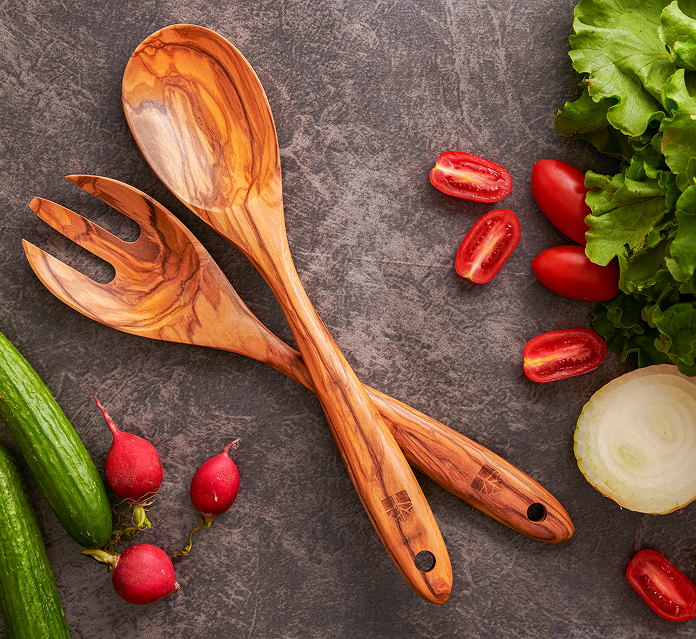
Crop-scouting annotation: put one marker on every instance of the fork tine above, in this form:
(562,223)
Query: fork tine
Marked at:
(153,274)
(124,198)
(80,230)
(107,304)
(72,287)
(160,230)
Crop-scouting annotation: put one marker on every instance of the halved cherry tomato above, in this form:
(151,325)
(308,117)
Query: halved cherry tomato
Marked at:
(488,245)
(559,190)
(662,586)
(470,177)
(559,354)
(566,270)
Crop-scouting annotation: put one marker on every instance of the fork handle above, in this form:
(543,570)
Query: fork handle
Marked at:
(475,474)
(377,467)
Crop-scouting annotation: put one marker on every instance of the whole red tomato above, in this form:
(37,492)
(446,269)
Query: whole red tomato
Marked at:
(470,177)
(662,586)
(566,270)
(488,245)
(559,190)
(559,354)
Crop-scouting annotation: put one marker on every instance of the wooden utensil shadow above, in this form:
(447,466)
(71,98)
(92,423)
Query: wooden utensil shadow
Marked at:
(168,287)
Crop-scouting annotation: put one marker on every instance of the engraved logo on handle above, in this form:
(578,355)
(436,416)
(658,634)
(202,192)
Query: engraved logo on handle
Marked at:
(487,481)
(399,506)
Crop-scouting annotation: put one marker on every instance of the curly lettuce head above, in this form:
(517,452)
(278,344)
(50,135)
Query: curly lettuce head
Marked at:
(638,104)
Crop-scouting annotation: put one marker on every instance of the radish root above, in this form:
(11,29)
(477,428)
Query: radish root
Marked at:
(203,522)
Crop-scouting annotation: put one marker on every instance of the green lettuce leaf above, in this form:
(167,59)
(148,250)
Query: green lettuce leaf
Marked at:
(683,246)
(617,44)
(678,129)
(584,115)
(677,326)
(585,119)
(644,268)
(624,212)
(668,183)
(685,53)
(618,323)
(678,32)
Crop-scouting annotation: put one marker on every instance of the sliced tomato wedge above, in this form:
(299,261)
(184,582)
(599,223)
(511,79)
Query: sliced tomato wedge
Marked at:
(662,586)
(488,245)
(470,177)
(565,353)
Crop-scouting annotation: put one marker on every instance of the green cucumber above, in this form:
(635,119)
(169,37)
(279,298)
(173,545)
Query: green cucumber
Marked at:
(29,598)
(54,452)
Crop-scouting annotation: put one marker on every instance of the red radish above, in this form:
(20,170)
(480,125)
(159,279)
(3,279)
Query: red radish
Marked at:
(143,573)
(214,488)
(215,485)
(133,468)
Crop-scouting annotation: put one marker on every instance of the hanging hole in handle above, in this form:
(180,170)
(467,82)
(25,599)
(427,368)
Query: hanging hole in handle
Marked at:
(536,512)
(425,561)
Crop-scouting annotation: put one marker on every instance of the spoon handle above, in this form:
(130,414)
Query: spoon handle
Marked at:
(380,473)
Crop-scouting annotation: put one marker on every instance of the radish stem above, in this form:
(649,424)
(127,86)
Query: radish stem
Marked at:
(140,517)
(103,556)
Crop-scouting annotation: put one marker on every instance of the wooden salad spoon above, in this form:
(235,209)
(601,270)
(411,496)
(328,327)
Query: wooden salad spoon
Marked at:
(201,119)
(168,287)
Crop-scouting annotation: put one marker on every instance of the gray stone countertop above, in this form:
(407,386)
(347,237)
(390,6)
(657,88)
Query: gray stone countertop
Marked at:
(365,96)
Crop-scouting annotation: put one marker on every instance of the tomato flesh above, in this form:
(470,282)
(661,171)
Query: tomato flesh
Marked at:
(488,245)
(560,354)
(559,190)
(666,589)
(471,177)
(567,271)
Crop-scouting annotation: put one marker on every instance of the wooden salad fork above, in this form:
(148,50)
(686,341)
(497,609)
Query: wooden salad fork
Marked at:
(168,287)
(201,119)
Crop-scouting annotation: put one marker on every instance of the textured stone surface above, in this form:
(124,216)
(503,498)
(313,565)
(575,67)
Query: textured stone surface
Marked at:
(365,96)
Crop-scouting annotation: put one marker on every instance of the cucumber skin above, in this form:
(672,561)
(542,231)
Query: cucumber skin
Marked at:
(31,607)
(53,450)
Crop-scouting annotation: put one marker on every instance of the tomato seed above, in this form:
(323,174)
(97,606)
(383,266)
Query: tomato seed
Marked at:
(458,182)
(664,602)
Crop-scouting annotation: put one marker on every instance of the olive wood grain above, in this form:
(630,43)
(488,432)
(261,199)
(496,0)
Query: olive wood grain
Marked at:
(201,119)
(168,287)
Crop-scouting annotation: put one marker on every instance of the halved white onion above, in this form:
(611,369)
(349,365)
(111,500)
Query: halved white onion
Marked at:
(635,440)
